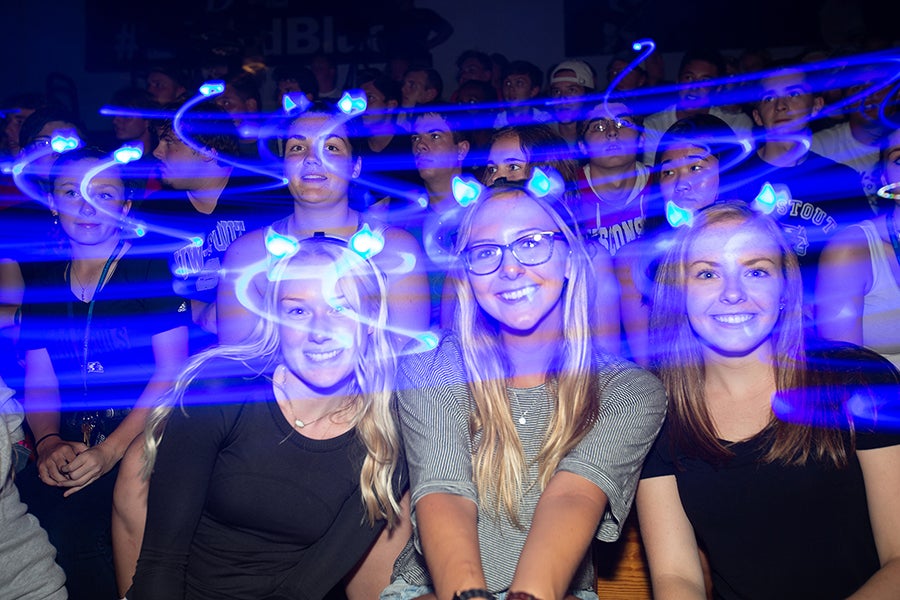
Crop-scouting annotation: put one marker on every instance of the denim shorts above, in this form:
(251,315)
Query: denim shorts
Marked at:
(400,590)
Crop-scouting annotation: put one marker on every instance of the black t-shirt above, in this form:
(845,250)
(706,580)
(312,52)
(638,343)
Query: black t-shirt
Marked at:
(774,531)
(195,243)
(135,304)
(243,506)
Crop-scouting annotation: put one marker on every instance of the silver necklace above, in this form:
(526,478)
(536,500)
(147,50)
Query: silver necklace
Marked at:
(523,418)
(299,423)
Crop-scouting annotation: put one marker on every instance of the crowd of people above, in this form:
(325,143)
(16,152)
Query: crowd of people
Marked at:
(359,340)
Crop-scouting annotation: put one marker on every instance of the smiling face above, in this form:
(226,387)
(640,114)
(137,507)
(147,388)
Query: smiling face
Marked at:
(322,339)
(92,221)
(506,160)
(689,176)
(318,159)
(524,300)
(787,103)
(734,289)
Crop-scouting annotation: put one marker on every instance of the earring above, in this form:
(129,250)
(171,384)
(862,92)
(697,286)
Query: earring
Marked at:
(55,218)
(781,306)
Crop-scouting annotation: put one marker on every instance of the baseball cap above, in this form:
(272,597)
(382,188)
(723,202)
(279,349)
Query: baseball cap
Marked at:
(583,74)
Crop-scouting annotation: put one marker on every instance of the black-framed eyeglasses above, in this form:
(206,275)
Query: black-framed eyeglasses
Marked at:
(530,250)
(603,125)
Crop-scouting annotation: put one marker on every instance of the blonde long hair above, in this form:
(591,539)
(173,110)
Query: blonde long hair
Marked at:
(499,467)
(679,363)
(362,284)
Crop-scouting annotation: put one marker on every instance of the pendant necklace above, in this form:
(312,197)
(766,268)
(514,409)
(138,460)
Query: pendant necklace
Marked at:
(523,418)
(299,423)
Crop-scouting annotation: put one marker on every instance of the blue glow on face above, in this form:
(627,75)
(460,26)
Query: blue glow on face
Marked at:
(352,103)
(129,153)
(677,216)
(280,246)
(64,143)
(466,192)
(367,243)
(212,88)
(539,184)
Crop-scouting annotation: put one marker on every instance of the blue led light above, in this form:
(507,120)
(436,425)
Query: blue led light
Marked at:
(422,201)
(294,101)
(212,88)
(367,243)
(281,246)
(765,200)
(636,46)
(677,216)
(140,231)
(352,103)
(288,104)
(64,143)
(129,153)
(197,242)
(539,184)
(465,192)
(428,339)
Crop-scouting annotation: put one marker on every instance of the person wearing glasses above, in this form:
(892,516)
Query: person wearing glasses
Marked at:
(613,186)
(524,444)
(277,470)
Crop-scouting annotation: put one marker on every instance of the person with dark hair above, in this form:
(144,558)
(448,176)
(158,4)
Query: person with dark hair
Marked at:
(635,79)
(520,84)
(15,110)
(324,69)
(524,443)
(241,99)
(133,126)
(813,197)
(98,353)
(421,86)
(777,458)
(571,81)
(205,198)
(613,186)
(473,65)
(694,154)
(387,163)
(321,160)
(289,78)
(696,95)
(166,85)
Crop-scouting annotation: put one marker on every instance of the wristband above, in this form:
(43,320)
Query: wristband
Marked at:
(473,593)
(49,435)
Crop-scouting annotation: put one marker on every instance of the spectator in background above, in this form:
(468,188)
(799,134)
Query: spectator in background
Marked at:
(570,82)
(166,85)
(134,126)
(16,109)
(241,100)
(289,78)
(521,83)
(613,186)
(636,78)
(696,93)
(818,197)
(857,141)
(325,70)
